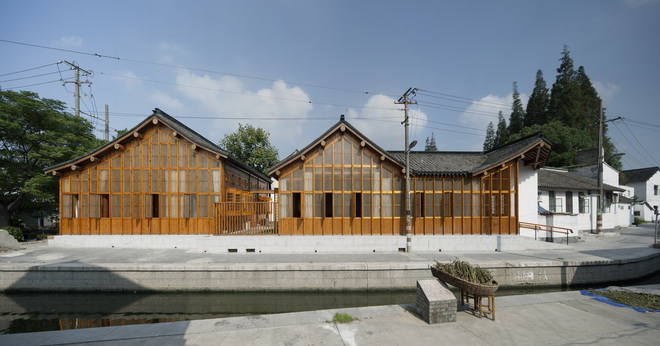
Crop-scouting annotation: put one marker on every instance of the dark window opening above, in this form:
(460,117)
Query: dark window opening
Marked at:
(328,204)
(569,202)
(358,204)
(105,206)
(418,204)
(154,206)
(296,205)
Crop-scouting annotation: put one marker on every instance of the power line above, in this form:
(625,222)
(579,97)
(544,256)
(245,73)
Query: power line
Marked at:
(456,109)
(640,144)
(29,69)
(246,94)
(28,77)
(627,154)
(194,68)
(29,85)
(642,123)
(465,98)
(473,102)
(632,145)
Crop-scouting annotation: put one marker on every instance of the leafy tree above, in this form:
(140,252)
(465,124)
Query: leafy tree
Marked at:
(517,119)
(539,100)
(119,133)
(489,141)
(36,133)
(565,92)
(252,146)
(566,141)
(502,133)
(430,143)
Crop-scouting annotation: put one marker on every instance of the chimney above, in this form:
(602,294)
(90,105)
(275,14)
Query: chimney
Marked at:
(341,117)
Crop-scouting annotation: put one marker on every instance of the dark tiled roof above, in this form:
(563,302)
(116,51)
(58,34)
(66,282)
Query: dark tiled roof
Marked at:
(181,129)
(639,175)
(554,179)
(465,162)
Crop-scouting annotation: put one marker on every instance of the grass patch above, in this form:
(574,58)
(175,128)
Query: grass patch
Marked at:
(638,300)
(343,318)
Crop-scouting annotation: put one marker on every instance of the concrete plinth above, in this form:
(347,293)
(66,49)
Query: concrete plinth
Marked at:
(435,303)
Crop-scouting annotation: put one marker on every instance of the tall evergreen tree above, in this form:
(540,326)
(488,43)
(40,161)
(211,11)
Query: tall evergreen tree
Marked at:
(502,133)
(489,141)
(517,119)
(537,105)
(565,92)
(588,104)
(430,143)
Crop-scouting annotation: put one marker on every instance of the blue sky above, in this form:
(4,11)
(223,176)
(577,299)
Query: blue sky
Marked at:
(470,49)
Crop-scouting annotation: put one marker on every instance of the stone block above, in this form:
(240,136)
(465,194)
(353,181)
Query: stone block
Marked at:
(435,302)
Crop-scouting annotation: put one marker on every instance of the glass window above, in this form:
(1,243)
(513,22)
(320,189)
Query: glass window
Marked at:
(337,153)
(327,156)
(336,205)
(357,156)
(309,205)
(318,159)
(467,208)
(438,204)
(398,205)
(297,180)
(398,183)
(337,178)
(318,205)
(104,180)
(476,205)
(429,184)
(348,186)
(318,179)
(419,184)
(348,153)
(366,205)
(438,184)
(357,179)
(308,179)
(284,204)
(457,184)
(203,206)
(457,205)
(284,183)
(387,205)
(366,178)
(347,205)
(428,204)
(387,180)
(327,178)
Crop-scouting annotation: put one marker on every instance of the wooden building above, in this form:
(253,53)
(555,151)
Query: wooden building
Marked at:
(160,177)
(344,184)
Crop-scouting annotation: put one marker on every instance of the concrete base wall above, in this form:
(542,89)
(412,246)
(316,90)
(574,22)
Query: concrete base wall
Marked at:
(307,244)
(299,276)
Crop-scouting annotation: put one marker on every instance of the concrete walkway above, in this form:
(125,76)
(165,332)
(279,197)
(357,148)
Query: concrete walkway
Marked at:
(564,318)
(39,267)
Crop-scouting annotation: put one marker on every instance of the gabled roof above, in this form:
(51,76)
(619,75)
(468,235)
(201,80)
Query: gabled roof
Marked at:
(639,175)
(463,163)
(562,179)
(173,124)
(336,127)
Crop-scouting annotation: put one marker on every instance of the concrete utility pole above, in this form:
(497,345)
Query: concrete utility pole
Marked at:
(74,66)
(599,212)
(405,101)
(106,129)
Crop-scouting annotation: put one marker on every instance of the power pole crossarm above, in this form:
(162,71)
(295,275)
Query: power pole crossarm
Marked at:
(74,66)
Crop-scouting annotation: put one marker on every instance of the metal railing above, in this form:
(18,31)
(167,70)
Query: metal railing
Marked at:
(546,228)
(246,218)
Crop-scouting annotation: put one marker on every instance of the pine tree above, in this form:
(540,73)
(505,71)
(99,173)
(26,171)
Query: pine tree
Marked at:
(588,105)
(430,143)
(537,105)
(489,141)
(565,92)
(517,118)
(502,133)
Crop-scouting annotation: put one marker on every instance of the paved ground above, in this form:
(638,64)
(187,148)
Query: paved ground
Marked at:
(563,318)
(632,243)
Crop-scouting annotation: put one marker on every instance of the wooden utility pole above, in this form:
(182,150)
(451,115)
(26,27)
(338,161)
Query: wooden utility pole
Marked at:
(405,101)
(106,129)
(74,66)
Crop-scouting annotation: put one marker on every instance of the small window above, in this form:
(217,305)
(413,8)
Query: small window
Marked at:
(569,202)
(328,204)
(357,204)
(155,205)
(655,190)
(105,206)
(296,200)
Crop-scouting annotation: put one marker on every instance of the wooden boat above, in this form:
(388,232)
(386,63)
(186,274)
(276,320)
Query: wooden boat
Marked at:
(466,286)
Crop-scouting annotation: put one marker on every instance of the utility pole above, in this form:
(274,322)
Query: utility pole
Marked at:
(74,66)
(601,159)
(405,101)
(106,129)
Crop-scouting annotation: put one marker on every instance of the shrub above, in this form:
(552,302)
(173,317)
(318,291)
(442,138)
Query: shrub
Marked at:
(15,232)
(465,271)
(343,318)
(42,236)
(639,220)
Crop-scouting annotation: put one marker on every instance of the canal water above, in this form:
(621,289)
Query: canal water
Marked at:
(32,312)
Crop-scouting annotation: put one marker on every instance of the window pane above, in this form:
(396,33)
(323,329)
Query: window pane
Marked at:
(357,156)
(284,203)
(366,178)
(337,155)
(337,177)
(85,206)
(375,201)
(308,179)
(467,199)
(419,184)
(327,156)
(457,184)
(318,159)
(438,184)
(104,180)
(387,180)
(116,206)
(347,205)
(297,180)
(203,206)
(366,204)
(284,183)
(318,179)
(387,205)
(348,186)
(438,204)
(398,205)
(428,204)
(327,178)
(348,153)
(127,206)
(318,205)
(476,205)
(429,185)
(357,178)
(336,201)
(398,183)
(66,206)
(309,205)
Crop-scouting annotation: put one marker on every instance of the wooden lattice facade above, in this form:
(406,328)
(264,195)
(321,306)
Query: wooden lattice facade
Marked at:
(160,178)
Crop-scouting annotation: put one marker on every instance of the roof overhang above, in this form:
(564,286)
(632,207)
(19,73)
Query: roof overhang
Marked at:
(534,155)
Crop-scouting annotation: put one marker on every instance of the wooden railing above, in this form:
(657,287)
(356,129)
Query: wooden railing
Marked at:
(246,218)
(546,228)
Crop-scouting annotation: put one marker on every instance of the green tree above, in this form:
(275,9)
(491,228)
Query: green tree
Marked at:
(489,141)
(566,141)
(539,100)
(502,133)
(517,119)
(36,133)
(252,146)
(119,133)
(430,143)
(565,92)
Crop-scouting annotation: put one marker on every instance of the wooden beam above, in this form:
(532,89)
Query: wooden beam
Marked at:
(137,135)
(55,173)
(538,154)
(302,157)
(323,143)
(277,172)
(117,147)
(382,157)
(155,121)
(342,127)
(174,134)
(74,167)
(93,158)
(217,156)
(363,143)
(193,147)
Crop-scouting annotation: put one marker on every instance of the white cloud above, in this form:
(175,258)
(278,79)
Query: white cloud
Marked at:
(130,79)
(237,101)
(164,101)
(607,90)
(385,127)
(485,110)
(69,41)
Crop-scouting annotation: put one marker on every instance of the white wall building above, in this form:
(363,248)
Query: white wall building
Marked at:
(569,199)
(645,182)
